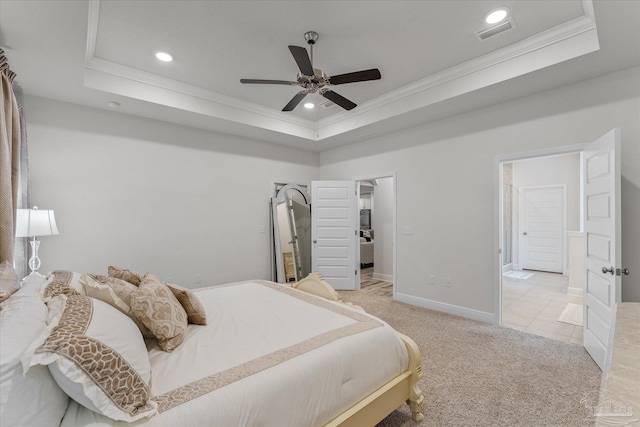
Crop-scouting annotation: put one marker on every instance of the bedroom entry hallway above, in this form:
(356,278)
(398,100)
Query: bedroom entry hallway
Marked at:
(373,286)
(377,234)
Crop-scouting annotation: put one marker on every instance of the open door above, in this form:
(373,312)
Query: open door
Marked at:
(334,232)
(602,290)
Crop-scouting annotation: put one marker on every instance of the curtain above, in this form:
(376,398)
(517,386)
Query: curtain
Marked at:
(9,160)
(21,249)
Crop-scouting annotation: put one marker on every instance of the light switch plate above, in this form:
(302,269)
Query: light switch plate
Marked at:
(406,229)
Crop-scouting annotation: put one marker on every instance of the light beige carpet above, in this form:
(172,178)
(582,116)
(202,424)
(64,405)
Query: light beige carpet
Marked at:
(477,374)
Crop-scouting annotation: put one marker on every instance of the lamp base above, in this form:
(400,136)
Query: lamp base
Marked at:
(31,277)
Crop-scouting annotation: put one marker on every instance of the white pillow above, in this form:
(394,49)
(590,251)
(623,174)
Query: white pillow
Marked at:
(32,398)
(115,292)
(98,357)
(62,282)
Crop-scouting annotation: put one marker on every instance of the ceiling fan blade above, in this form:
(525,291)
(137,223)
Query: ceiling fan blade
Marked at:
(268,82)
(302,59)
(339,99)
(358,76)
(294,101)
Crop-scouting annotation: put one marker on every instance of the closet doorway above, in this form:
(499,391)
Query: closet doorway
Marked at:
(377,205)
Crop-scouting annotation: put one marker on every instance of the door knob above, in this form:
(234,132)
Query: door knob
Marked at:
(525,233)
(625,271)
(315,241)
(606,270)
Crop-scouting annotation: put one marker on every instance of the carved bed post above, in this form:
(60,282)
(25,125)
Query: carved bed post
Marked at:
(416,397)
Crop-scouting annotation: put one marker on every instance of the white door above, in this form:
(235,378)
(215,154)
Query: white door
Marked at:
(601,168)
(542,228)
(334,232)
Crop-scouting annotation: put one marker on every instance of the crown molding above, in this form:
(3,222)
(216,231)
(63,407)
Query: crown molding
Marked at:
(563,42)
(537,42)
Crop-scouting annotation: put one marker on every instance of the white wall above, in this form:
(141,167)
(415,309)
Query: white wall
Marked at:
(540,171)
(154,196)
(176,201)
(383,229)
(446,189)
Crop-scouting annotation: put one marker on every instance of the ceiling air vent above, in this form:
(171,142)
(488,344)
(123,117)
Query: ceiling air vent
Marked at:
(496,29)
(327,104)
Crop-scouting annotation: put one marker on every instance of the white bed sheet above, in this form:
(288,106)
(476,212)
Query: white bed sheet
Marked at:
(269,356)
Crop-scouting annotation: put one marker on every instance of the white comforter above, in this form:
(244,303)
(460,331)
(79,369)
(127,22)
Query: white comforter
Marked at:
(269,356)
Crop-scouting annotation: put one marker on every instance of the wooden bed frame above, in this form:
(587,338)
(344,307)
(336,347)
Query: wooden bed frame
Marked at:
(377,405)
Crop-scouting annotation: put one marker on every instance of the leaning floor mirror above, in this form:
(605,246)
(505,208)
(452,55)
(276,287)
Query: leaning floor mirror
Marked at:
(291,224)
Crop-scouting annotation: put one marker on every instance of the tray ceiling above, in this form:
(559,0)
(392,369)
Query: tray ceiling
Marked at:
(427,52)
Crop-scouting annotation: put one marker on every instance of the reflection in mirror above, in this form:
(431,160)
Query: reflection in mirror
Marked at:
(291,221)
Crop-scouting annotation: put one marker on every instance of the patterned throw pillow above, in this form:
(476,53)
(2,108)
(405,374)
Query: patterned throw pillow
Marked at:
(155,305)
(130,276)
(98,357)
(196,313)
(115,292)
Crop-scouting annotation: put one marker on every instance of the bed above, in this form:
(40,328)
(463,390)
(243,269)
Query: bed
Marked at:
(269,355)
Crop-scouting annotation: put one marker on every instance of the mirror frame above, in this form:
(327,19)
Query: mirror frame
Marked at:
(281,197)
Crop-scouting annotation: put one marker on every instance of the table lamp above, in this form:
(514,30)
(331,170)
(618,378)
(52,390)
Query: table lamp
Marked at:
(34,223)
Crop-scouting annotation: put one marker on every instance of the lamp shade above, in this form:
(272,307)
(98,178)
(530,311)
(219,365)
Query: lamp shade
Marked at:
(35,222)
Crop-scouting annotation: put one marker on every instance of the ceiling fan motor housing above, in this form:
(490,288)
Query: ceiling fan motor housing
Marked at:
(311,37)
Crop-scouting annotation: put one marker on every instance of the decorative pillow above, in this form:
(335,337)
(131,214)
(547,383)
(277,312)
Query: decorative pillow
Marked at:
(130,276)
(62,282)
(98,357)
(26,398)
(154,305)
(196,313)
(115,292)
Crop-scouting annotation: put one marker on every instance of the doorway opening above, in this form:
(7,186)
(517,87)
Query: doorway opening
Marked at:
(377,206)
(541,240)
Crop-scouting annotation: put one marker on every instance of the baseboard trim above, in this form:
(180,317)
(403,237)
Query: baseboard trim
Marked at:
(383,277)
(507,268)
(574,291)
(468,313)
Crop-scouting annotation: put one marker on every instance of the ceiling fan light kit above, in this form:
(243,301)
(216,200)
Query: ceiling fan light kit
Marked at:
(314,80)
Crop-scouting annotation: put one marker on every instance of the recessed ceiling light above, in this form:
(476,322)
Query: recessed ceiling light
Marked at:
(164,56)
(113,104)
(496,16)
(309,105)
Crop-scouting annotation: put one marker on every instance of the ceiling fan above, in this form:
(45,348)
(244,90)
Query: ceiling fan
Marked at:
(313,80)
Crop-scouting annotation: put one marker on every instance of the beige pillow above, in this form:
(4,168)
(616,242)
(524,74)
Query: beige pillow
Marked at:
(115,292)
(196,313)
(130,276)
(98,357)
(154,304)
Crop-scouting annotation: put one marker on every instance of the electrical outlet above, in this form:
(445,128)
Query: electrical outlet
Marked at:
(198,278)
(261,229)
(447,282)
(432,279)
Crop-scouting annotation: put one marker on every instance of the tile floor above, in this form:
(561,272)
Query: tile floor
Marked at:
(534,305)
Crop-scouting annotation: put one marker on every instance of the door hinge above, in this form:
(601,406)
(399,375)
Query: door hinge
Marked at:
(355,272)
